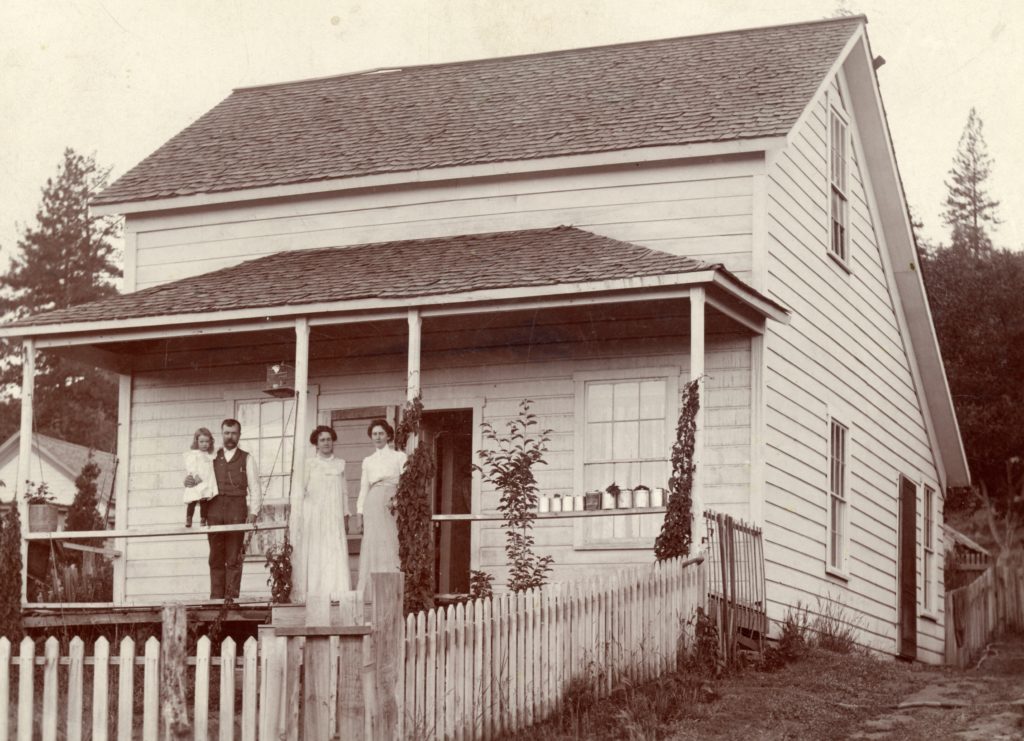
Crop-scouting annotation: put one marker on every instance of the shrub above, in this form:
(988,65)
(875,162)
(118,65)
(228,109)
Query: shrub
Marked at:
(480,584)
(10,575)
(508,466)
(707,651)
(835,629)
(412,508)
(793,638)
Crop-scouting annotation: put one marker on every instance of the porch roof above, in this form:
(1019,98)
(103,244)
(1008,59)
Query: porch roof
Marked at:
(474,267)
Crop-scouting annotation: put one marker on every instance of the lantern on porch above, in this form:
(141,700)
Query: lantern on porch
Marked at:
(280,380)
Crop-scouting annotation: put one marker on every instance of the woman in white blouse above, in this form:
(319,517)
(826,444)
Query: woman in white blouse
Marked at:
(381,470)
(321,554)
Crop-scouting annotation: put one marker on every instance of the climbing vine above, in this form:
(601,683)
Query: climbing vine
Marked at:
(412,509)
(10,574)
(279,562)
(674,539)
(508,464)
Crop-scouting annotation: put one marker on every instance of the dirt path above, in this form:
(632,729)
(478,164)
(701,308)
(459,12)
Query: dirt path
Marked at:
(981,704)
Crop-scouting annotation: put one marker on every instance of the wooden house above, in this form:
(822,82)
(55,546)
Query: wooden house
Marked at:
(588,229)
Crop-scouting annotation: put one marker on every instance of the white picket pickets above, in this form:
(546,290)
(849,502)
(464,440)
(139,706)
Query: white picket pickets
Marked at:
(502,663)
(77,691)
(469,671)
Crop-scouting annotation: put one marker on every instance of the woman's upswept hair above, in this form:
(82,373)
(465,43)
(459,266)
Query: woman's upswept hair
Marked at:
(383,423)
(315,434)
(202,431)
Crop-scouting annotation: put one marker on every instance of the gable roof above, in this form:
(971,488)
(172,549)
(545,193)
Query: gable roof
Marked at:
(404,269)
(716,87)
(69,458)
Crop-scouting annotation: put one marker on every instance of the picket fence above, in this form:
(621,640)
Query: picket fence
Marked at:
(503,663)
(468,671)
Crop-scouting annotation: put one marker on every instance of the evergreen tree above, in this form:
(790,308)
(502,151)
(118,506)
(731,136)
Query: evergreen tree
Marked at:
(969,208)
(10,575)
(66,258)
(83,513)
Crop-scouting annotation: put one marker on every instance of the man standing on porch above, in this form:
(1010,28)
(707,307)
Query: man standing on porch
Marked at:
(238,484)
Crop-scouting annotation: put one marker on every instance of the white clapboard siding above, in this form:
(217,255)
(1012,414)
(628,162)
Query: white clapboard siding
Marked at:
(167,407)
(702,210)
(842,354)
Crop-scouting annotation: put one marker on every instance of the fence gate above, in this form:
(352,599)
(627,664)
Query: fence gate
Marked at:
(736,587)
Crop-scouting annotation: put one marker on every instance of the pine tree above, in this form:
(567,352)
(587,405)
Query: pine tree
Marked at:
(83,513)
(66,258)
(10,575)
(969,208)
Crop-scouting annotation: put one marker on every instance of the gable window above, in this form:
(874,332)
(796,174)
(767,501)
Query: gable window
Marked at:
(624,436)
(839,206)
(928,540)
(837,500)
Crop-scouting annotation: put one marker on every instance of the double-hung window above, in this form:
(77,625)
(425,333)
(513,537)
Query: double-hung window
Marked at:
(839,206)
(837,497)
(928,539)
(267,429)
(624,436)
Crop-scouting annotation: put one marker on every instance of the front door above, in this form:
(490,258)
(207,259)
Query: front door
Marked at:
(450,435)
(908,569)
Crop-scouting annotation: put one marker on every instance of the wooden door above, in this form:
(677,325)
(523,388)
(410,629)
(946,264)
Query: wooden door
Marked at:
(908,569)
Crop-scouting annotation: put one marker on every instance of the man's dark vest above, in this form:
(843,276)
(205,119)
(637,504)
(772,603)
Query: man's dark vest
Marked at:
(232,480)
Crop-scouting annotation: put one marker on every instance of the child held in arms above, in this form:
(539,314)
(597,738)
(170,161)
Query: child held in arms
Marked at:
(199,465)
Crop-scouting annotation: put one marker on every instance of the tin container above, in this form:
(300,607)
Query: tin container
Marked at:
(641,497)
(658,497)
(556,503)
(625,499)
(579,502)
(607,500)
(592,500)
(543,504)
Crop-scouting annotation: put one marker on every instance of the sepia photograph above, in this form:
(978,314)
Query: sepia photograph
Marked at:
(453,369)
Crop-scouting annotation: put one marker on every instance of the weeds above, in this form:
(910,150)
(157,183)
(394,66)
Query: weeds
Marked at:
(835,629)
(796,626)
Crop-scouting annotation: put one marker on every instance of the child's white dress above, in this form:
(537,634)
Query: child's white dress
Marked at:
(200,465)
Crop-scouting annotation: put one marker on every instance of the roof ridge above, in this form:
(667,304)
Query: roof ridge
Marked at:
(551,52)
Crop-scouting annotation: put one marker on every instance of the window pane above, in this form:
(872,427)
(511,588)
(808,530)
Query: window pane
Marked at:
(598,476)
(289,416)
(249,415)
(274,488)
(270,419)
(652,400)
(652,439)
(627,400)
(627,475)
(269,457)
(626,440)
(599,402)
(599,442)
(654,474)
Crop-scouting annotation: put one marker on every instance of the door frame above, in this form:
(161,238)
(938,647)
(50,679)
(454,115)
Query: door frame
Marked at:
(901,553)
(476,404)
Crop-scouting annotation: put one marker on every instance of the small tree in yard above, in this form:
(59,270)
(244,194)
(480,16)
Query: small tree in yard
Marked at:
(10,574)
(675,536)
(508,465)
(83,514)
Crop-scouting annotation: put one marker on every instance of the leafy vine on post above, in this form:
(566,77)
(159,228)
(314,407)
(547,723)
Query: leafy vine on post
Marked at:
(508,464)
(674,539)
(412,509)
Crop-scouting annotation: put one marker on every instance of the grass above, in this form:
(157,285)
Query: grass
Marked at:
(824,695)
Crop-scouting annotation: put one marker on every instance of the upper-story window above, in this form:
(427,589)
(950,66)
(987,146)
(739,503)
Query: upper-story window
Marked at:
(839,168)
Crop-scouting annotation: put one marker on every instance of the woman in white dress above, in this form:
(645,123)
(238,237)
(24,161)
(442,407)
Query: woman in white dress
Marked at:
(321,553)
(381,470)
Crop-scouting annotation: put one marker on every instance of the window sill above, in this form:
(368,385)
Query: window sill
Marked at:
(931,616)
(837,573)
(840,262)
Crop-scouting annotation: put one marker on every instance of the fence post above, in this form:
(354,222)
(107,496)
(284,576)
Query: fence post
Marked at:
(388,649)
(317,671)
(173,662)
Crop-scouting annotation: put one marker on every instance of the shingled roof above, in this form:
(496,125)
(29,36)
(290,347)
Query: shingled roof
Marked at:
(716,87)
(406,269)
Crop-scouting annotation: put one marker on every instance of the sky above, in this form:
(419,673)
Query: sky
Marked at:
(117,78)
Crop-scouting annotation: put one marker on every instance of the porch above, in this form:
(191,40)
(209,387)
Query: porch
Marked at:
(471,355)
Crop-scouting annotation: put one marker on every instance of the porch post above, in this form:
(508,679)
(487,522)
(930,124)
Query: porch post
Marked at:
(697,303)
(28,385)
(301,414)
(415,332)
